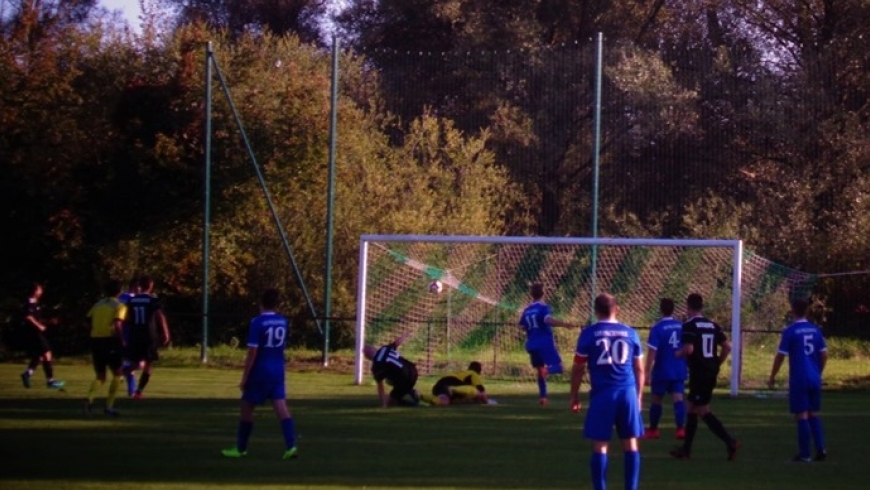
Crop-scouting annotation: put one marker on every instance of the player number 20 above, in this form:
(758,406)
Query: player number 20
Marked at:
(612,352)
(275,336)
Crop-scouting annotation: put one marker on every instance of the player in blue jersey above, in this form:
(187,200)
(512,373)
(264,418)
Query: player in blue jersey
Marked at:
(133,289)
(263,376)
(666,372)
(705,348)
(537,322)
(807,353)
(613,354)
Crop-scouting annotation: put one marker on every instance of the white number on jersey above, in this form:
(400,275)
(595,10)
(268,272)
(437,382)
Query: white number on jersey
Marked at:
(613,352)
(531,321)
(809,347)
(275,336)
(708,344)
(674,340)
(139,313)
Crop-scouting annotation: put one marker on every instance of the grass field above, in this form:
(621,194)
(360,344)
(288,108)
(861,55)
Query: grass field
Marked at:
(172,439)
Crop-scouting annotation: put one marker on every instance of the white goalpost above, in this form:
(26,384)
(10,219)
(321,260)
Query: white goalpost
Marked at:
(472,314)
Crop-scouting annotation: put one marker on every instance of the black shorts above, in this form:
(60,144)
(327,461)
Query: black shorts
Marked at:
(36,344)
(701,388)
(404,385)
(442,387)
(138,351)
(106,353)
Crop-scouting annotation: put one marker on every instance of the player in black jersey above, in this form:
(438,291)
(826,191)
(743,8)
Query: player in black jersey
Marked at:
(146,330)
(390,367)
(705,348)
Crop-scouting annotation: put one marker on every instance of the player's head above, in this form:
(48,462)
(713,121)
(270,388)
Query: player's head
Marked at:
(605,306)
(113,288)
(270,299)
(369,352)
(133,285)
(695,302)
(35,290)
(800,307)
(536,290)
(666,306)
(146,283)
(475,366)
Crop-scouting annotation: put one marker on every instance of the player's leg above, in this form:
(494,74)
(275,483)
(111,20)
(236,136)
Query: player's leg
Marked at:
(115,363)
(462,394)
(34,352)
(631,463)
(677,389)
(150,357)
(288,427)
(598,427)
(815,405)
(629,426)
(697,396)
(47,366)
(716,427)
(598,465)
(99,363)
(251,397)
(537,360)
(657,392)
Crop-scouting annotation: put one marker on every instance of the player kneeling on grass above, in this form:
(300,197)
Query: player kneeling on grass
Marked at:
(461,387)
(389,367)
(263,376)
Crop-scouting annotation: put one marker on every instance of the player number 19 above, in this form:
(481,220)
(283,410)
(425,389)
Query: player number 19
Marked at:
(275,336)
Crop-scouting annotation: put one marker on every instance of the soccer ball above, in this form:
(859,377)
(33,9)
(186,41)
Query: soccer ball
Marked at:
(436,287)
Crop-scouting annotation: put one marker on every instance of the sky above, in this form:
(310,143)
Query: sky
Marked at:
(129,8)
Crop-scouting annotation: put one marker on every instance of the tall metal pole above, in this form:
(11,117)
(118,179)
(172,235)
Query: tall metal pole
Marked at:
(206,215)
(596,144)
(330,211)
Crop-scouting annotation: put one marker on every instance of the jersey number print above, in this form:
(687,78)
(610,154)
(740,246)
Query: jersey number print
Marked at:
(617,350)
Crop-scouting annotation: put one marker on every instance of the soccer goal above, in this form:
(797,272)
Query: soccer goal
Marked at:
(460,297)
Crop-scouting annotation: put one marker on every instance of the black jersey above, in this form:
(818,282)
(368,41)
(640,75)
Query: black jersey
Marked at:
(388,365)
(140,318)
(706,338)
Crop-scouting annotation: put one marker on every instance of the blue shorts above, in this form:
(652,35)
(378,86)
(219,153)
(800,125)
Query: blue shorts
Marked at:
(546,355)
(258,390)
(805,400)
(667,386)
(613,407)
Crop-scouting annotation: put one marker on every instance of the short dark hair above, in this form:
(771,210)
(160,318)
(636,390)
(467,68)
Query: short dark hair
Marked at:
(605,304)
(146,282)
(536,289)
(475,366)
(695,302)
(113,287)
(800,306)
(270,299)
(666,306)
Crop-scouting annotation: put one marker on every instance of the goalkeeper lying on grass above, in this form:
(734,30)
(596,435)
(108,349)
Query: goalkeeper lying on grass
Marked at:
(459,387)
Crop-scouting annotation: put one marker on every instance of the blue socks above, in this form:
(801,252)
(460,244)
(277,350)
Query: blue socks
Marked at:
(542,386)
(655,415)
(288,428)
(632,469)
(598,466)
(818,434)
(680,413)
(803,433)
(243,435)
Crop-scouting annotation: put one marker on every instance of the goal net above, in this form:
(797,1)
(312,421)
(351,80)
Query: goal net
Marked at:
(459,297)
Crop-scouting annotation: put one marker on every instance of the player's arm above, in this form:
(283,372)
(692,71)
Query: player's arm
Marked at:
(578,371)
(401,339)
(723,354)
(30,318)
(555,322)
(161,319)
(382,394)
(118,323)
(650,360)
(823,360)
(249,364)
(777,364)
(639,379)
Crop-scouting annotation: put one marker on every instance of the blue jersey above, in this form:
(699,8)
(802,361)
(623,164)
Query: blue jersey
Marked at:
(664,339)
(803,343)
(533,321)
(610,349)
(268,333)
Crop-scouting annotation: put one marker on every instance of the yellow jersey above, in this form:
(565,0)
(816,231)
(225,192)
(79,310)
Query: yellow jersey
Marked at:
(103,315)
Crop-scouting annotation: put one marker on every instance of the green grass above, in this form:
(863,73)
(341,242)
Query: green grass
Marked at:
(172,439)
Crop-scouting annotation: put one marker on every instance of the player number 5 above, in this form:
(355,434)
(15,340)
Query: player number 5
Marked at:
(808,345)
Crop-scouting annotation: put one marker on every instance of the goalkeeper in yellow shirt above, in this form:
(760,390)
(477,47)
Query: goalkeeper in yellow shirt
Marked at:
(107,317)
(459,387)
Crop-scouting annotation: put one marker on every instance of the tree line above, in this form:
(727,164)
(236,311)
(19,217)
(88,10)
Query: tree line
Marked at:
(725,118)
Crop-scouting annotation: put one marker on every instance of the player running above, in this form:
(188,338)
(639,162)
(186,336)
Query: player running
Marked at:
(263,376)
(705,348)
(537,322)
(807,353)
(35,341)
(107,319)
(667,373)
(613,352)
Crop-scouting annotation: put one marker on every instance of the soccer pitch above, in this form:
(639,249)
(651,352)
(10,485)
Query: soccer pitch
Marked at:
(172,439)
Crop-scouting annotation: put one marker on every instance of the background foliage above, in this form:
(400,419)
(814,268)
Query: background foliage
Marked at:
(723,118)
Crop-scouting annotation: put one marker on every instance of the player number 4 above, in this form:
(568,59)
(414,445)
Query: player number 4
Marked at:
(674,340)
